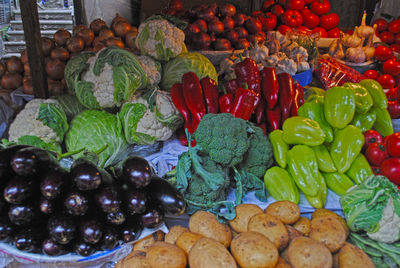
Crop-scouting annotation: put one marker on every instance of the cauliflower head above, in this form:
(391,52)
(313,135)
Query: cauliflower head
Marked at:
(152,69)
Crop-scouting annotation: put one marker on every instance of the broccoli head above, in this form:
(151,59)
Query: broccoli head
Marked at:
(223,137)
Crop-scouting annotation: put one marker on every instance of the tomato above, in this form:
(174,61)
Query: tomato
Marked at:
(394,109)
(294,4)
(305,12)
(383,53)
(391,66)
(310,20)
(268,22)
(395,47)
(283,29)
(320,7)
(382,24)
(393,144)
(303,30)
(376,170)
(394,26)
(391,94)
(373,74)
(267,4)
(391,169)
(334,33)
(329,21)
(376,153)
(371,136)
(322,32)
(292,18)
(308,1)
(387,37)
(386,81)
(281,2)
(277,10)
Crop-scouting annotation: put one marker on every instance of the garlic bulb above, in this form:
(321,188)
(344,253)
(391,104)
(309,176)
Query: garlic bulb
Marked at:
(352,40)
(369,49)
(356,54)
(336,48)
(365,30)
(258,52)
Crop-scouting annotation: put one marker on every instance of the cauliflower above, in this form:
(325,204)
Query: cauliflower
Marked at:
(160,39)
(152,69)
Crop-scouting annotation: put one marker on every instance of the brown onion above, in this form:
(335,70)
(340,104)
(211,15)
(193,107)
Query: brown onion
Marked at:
(87,35)
(106,33)
(2,69)
(98,47)
(121,28)
(24,56)
(98,40)
(60,53)
(61,37)
(115,41)
(47,45)
(11,81)
(56,88)
(14,65)
(75,44)
(55,69)
(116,19)
(28,88)
(89,49)
(96,25)
(130,38)
(78,28)
(27,69)
(46,60)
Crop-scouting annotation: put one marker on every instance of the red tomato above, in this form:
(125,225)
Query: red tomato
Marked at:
(375,169)
(393,144)
(387,37)
(376,153)
(391,94)
(303,30)
(281,2)
(305,12)
(391,66)
(292,18)
(397,38)
(277,10)
(267,4)
(308,1)
(329,21)
(394,109)
(371,136)
(294,4)
(320,7)
(383,53)
(391,169)
(395,47)
(382,24)
(322,32)
(394,26)
(334,33)
(310,20)
(269,22)
(283,29)
(373,74)
(386,81)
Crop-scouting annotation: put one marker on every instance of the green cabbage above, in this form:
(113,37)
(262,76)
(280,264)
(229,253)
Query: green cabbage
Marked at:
(93,130)
(187,62)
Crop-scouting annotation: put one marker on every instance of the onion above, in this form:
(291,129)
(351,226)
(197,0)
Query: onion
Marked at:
(130,38)
(115,41)
(96,25)
(56,88)
(106,33)
(24,56)
(11,81)
(47,45)
(98,47)
(78,28)
(14,65)
(201,41)
(55,69)
(89,49)
(222,44)
(75,44)
(61,37)
(87,35)
(116,19)
(241,44)
(216,26)
(46,60)
(121,28)
(28,88)
(227,10)
(60,53)
(3,69)
(27,69)
(98,40)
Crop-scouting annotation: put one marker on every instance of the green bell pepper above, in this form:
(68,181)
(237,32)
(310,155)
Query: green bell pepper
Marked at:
(319,200)
(324,159)
(364,121)
(339,106)
(362,97)
(303,167)
(302,130)
(383,123)
(376,92)
(346,146)
(280,185)
(314,94)
(338,182)
(360,169)
(279,147)
(315,111)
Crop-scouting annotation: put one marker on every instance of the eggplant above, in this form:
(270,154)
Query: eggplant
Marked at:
(3,207)
(52,248)
(6,229)
(131,229)
(116,218)
(110,239)
(136,171)
(28,240)
(5,158)
(87,176)
(31,161)
(21,214)
(165,196)
(17,191)
(47,206)
(53,183)
(76,203)
(108,199)
(90,231)
(84,249)
(61,229)
(152,218)
(135,200)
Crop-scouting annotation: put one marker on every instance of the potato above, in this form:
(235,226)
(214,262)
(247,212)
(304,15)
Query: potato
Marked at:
(165,255)
(250,249)
(208,253)
(286,211)
(305,252)
(351,256)
(243,214)
(282,264)
(293,233)
(323,211)
(186,241)
(328,230)
(303,225)
(271,227)
(206,224)
(146,242)
(174,233)
(136,259)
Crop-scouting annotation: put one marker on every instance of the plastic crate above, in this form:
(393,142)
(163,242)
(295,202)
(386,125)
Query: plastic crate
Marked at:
(5,12)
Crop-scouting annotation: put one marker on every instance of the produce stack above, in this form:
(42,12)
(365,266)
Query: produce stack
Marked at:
(389,32)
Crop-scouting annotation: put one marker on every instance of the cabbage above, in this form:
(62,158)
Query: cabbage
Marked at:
(187,62)
(93,130)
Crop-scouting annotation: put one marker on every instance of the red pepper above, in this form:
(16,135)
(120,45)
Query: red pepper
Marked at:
(270,86)
(273,118)
(260,111)
(263,126)
(286,94)
(247,73)
(231,86)
(298,99)
(179,101)
(243,105)
(183,139)
(193,94)
(210,94)
(225,103)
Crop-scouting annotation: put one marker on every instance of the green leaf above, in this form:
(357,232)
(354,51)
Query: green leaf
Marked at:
(84,93)
(142,38)
(37,142)
(129,116)
(183,172)
(121,84)
(71,105)
(75,67)
(53,116)
(171,122)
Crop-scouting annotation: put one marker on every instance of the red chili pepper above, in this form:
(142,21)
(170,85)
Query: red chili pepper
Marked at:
(244,106)
(210,94)
(286,94)
(270,86)
(193,94)
(298,98)
(231,86)
(273,118)
(260,111)
(263,126)
(247,73)
(179,101)
(183,139)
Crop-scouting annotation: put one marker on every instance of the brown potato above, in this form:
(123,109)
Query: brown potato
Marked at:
(206,224)
(323,211)
(243,214)
(286,211)
(271,227)
(145,243)
(165,255)
(174,233)
(250,249)
(328,230)
(207,253)
(136,259)
(186,241)
(351,256)
(305,252)
(303,225)
(293,233)
(282,264)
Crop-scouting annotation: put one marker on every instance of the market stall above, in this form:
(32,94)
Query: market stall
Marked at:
(210,135)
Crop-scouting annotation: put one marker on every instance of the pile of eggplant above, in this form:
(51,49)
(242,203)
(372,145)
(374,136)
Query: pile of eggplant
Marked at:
(44,208)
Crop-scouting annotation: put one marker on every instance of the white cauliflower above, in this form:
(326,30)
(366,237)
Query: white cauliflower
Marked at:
(152,69)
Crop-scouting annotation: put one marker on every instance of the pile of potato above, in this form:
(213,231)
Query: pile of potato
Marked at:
(274,238)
